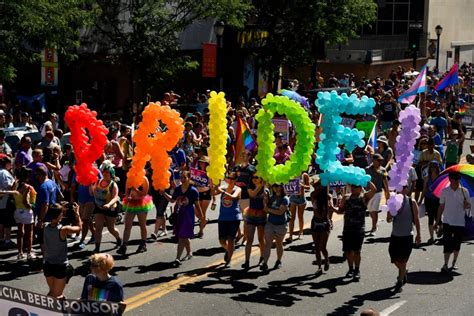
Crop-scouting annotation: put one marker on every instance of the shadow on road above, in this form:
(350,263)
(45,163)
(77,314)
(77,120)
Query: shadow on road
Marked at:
(431,277)
(350,307)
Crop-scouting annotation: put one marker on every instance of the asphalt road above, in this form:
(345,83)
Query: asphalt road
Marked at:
(203,286)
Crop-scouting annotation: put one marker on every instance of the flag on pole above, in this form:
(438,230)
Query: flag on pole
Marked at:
(244,140)
(372,141)
(450,79)
(418,86)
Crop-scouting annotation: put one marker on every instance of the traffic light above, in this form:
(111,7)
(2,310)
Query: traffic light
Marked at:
(414,39)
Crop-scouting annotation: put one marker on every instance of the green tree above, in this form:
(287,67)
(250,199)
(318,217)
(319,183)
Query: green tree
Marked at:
(144,33)
(27,26)
(296,28)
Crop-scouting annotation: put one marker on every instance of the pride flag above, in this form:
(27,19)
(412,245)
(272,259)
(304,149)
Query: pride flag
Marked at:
(450,79)
(418,86)
(244,140)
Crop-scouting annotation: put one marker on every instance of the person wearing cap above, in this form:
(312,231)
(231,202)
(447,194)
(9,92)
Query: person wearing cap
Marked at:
(454,202)
(431,200)
(452,149)
(354,206)
(379,179)
(388,112)
(430,154)
(385,151)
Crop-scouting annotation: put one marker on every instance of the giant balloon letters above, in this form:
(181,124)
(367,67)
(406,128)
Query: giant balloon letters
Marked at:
(331,106)
(88,147)
(152,144)
(304,128)
(410,131)
(217,136)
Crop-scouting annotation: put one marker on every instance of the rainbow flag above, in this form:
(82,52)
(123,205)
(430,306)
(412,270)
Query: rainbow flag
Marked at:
(244,140)
(418,86)
(450,79)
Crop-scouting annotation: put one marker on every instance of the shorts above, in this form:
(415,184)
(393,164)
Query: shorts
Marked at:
(452,237)
(205,196)
(108,213)
(7,218)
(431,206)
(352,241)
(228,229)
(400,247)
(298,199)
(276,230)
(24,216)
(255,217)
(319,225)
(58,271)
(161,203)
(374,203)
(86,210)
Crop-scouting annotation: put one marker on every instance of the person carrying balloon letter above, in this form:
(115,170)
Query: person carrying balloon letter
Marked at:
(401,239)
(353,207)
(379,178)
(454,202)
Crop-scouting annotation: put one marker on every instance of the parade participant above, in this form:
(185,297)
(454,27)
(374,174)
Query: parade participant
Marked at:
(431,201)
(23,157)
(379,178)
(161,203)
(138,203)
(353,207)
(401,239)
(430,154)
(7,219)
(393,133)
(385,151)
(244,172)
(55,249)
(255,219)
(321,222)
(453,203)
(277,224)
(229,215)
(105,193)
(113,152)
(100,285)
(298,203)
(186,197)
(205,195)
(452,149)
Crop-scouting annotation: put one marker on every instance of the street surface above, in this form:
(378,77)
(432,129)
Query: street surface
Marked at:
(202,286)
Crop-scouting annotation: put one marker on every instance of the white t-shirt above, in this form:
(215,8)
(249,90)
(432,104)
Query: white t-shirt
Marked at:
(454,205)
(412,176)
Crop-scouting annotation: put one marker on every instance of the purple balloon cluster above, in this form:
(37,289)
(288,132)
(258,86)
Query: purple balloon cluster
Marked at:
(410,131)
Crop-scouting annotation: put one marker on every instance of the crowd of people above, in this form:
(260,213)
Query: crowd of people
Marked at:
(40,197)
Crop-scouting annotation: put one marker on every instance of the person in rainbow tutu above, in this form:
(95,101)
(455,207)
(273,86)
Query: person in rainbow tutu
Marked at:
(138,203)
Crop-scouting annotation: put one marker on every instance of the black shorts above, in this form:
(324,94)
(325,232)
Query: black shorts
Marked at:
(161,203)
(7,218)
(108,213)
(59,271)
(352,241)
(228,229)
(400,247)
(431,206)
(205,196)
(319,225)
(452,237)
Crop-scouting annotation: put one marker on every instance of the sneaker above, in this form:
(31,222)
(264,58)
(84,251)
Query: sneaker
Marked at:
(154,236)
(350,273)
(21,257)
(187,257)
(445,269)
(356,275)
(319,271)
(177,263)
(289,240)
(454,267)
(97,249)
(246,265)
(141,248)
(398,286)
(430,241)
(226,257)
(163,234)
(82,245)
(371,234)
(264,267)
(31,256)
(260,261)
(326,265)
(118,242)
(277,265)
(122,250)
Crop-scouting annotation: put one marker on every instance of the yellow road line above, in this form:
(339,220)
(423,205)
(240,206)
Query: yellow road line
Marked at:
(168,287)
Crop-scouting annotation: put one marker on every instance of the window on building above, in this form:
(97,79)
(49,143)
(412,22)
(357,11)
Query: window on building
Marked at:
(384,28)
(400,11)
(400,28)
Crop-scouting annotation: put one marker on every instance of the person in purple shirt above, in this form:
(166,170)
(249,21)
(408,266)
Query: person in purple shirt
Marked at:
(23,158)
(35,164)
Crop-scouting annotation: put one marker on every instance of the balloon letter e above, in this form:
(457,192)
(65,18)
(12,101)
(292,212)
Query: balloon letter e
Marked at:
(330,105)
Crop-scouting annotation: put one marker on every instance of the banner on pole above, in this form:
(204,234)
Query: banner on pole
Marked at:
(49,67)
(209,60)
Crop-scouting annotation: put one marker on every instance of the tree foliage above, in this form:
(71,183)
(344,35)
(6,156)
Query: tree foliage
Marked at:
(295,26)
(27,26)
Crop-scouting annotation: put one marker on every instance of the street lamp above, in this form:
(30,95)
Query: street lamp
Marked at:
(439,30)
(219,31)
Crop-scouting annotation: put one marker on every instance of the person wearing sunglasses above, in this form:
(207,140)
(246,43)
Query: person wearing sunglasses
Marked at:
(100,285)
(229,215)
